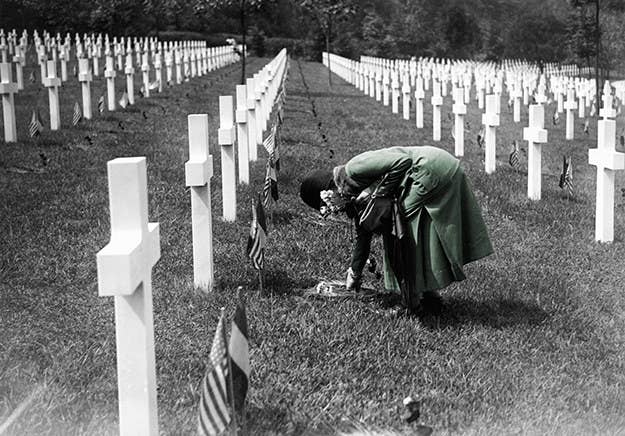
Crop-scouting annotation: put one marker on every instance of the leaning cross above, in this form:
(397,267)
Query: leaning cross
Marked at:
(124,271)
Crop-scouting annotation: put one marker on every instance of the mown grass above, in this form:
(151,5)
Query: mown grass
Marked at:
(530,343)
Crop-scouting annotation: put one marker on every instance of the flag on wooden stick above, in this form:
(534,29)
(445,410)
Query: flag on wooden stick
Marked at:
(270,142)
(566,178)
(77,116)
(258,235)
(480,137)
(238,349)
(153,85)
(101,104)
(514,155)
(214,416)
(271,183)
(35,127)
(586,125)
(32,77)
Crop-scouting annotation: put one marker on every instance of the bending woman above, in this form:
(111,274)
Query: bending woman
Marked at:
(419,200)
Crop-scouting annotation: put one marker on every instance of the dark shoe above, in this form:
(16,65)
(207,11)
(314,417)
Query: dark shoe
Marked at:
(431,303)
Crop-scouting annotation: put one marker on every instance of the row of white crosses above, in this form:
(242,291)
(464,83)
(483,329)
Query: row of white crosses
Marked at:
(125,263)
(521,82)
(193,56)
(254,103)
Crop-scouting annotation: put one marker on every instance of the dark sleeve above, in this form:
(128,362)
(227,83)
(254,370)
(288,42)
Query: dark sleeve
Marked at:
(360,249)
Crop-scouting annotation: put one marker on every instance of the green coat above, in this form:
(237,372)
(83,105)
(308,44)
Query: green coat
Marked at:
(444,222)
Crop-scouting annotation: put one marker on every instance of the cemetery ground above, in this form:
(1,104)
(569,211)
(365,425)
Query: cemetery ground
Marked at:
(530,343)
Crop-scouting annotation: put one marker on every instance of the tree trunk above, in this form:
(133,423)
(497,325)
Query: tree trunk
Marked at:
(328,33)
(243,35)
(597,47)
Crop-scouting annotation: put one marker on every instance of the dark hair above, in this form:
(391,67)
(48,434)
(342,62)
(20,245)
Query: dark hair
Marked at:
(312,186)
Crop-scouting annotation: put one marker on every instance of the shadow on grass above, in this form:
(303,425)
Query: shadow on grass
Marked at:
(496,314)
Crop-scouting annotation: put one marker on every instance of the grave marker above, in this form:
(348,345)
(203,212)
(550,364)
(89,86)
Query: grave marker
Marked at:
(405,90)
(226,141)
(52,82)
(570,106)
(437,102)
(251,119)
(124,271)
(130,81)
(110,74)
(242,132)
(535,135)
(198,173)
(459,109)
(490,120)
(84,77)
(8,89)
(419,95)
(145,68)
(608,161)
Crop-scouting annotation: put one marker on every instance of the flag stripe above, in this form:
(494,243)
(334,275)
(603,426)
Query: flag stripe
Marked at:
(239,351)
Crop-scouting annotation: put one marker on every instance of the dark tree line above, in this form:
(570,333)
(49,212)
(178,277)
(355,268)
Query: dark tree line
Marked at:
(536,30)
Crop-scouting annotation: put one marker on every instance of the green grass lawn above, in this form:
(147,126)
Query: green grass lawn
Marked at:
(530,343)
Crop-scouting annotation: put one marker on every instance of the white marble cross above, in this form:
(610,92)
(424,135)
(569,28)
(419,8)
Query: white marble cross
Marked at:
(419,95)
(405,90)
(242,135)
(145,68)
(535,135)
(258,108)
(607,160)
(252,148)
(84,76)
(490,120)
(110,74)
(125,272)
(378,85)
(437,102)
(394,92)
(570,106)
(158,67)
(52,82)
(459,109)
(198,172)
(7,90)
(226,137)
(517,94)
(19,60)
(129,70)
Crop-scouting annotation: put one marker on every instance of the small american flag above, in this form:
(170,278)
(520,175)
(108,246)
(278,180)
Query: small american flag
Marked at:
(123,102)
(32,77)
(77,116)
(258,235)
(153,85)
(35,127)
(566,178)
(142,91)
(514,155)
(270,141)
(271,183)
(213,415)
(556,117)
(101,104)
(586,125)
(480,137)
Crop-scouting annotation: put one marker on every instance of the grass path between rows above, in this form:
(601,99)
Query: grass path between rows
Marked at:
(530,343)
